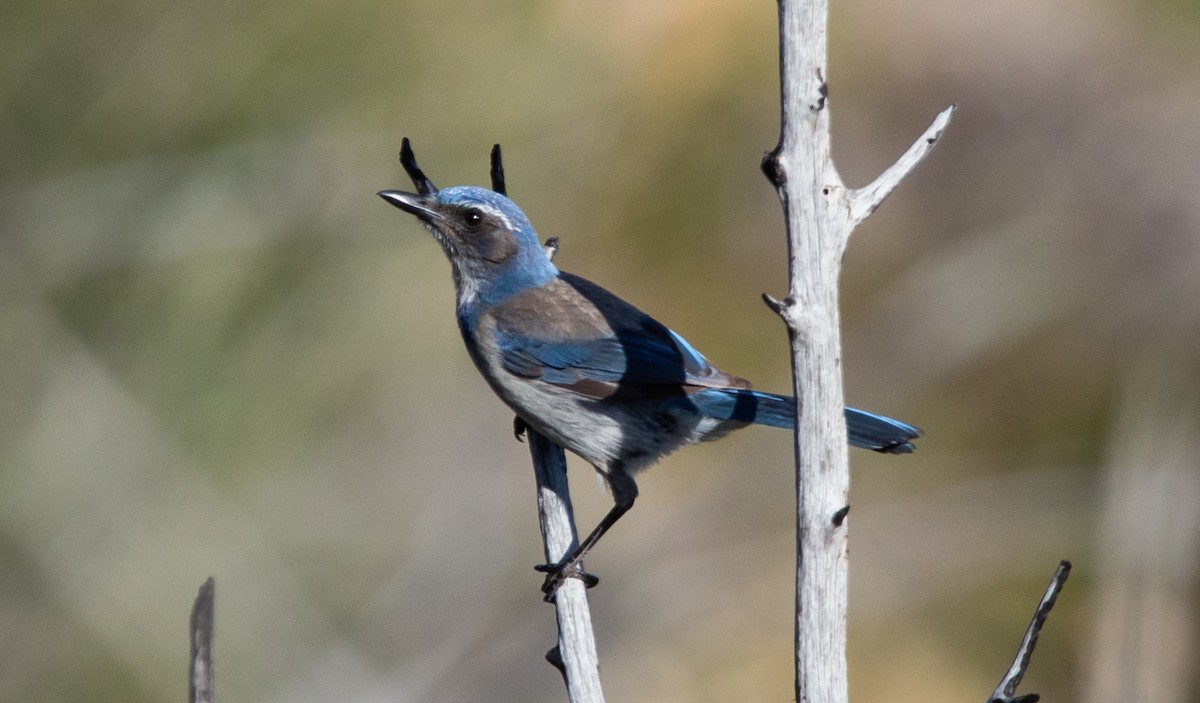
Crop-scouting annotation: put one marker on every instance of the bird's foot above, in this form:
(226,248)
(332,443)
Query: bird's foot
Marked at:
(519,428)
(557,575)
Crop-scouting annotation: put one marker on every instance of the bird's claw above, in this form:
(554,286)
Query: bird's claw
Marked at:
(519,428)
(557,575)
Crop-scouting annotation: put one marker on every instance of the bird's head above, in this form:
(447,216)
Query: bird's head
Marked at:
(491,245)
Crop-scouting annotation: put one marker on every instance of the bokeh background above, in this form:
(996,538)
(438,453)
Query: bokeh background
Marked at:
(221,354)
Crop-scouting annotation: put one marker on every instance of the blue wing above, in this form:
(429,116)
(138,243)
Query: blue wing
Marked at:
(600,345)
(574,334)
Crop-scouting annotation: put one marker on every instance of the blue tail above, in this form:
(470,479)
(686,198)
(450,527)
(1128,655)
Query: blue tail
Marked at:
(866,430)
(879,432)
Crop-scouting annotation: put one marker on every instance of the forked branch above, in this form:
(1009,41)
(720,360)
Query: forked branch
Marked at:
(820,213)
(865,200)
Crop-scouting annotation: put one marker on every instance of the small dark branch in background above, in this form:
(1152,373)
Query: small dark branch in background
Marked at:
(1006,691)
(776,305)
(554,656)
(200,674)
(823,91)
(498,185)
(551,247)
(770,168)
(408,160)
(498,171)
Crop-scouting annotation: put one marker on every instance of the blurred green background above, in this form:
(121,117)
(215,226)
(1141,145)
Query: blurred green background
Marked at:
(221,354)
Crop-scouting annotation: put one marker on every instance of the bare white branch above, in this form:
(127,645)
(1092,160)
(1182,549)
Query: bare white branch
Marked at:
(575,654)
(820,214)
(802,170)
(865,200)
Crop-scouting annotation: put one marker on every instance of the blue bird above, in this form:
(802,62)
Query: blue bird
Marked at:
(583,367)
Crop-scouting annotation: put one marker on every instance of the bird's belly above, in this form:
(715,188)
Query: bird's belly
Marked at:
(606,432)
(570,420)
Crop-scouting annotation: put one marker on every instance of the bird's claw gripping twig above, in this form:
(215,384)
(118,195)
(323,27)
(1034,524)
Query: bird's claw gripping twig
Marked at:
(557,575)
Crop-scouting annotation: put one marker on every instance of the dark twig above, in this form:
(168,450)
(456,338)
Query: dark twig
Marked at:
(408,160)
(1006,691)
(554,656)
(498,171)
(200,680)
(776,305)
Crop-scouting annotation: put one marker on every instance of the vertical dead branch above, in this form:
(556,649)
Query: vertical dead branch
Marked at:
(820,213)
(575,653)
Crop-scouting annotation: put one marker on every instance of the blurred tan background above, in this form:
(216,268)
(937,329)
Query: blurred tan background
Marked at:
(221,354)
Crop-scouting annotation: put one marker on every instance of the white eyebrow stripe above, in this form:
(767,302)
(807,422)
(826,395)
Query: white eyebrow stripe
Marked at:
(494,212)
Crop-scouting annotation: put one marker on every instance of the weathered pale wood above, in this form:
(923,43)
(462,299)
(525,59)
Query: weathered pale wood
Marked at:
(863,201)
(820,212)
(576,650)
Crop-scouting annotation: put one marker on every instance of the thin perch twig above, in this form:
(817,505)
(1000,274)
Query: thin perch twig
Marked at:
(575,653)
(200,630)
(1006,691)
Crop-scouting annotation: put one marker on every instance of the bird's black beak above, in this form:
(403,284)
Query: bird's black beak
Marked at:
(411,203)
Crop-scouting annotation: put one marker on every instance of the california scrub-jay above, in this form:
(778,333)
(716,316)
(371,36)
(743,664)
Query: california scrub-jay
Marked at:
(586,369)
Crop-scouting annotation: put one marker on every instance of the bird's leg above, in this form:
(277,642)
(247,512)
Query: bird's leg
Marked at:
(625,492)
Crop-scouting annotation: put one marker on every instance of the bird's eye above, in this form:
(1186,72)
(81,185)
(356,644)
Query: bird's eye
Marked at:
(472,217)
